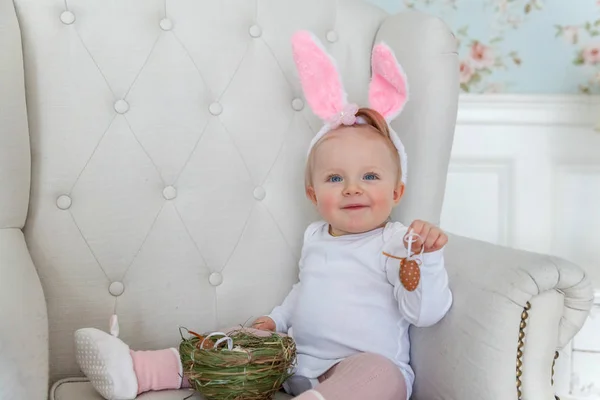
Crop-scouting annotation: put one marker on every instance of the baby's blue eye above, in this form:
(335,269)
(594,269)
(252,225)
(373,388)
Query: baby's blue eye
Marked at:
(371,177)
(334,178)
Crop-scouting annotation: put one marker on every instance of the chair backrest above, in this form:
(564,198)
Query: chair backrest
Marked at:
(167,151)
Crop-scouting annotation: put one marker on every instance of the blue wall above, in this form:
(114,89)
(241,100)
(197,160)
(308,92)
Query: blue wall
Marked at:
(521,46)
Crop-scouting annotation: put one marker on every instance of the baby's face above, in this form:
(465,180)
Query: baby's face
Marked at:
(355,180)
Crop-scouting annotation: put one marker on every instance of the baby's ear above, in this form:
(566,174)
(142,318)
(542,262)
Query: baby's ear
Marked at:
(398,192)
(311,195)
(388,90)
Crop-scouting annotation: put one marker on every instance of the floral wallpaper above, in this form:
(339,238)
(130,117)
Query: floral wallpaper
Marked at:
(521,46)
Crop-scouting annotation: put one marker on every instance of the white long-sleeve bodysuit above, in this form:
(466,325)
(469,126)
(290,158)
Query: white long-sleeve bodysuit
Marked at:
(349,299)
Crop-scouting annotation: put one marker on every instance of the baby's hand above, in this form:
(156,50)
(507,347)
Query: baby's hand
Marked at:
(264,324)
(432,237)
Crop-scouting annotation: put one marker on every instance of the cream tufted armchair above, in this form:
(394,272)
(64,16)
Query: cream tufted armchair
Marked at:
(151,161)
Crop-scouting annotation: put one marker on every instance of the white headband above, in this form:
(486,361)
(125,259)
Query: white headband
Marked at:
(325,94)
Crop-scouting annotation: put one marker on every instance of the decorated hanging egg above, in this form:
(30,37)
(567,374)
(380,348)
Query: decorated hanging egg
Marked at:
(409,274)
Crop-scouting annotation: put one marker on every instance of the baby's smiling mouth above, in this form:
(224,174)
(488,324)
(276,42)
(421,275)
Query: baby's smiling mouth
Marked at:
(354,207)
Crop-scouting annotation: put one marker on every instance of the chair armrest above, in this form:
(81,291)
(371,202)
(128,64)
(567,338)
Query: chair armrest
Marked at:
(15,158)
(23,316)
(23,322)
(505,300)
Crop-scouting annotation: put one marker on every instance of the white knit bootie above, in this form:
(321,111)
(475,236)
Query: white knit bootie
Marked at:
(106,361)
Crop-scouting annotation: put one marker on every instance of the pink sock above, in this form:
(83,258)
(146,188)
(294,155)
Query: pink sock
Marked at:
(158,370)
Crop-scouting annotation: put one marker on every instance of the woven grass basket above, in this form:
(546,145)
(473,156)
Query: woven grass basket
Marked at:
(239,365)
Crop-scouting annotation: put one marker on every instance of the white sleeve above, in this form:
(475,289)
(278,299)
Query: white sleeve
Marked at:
(281,314)
(431,300)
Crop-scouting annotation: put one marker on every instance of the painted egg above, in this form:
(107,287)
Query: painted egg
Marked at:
(409,274)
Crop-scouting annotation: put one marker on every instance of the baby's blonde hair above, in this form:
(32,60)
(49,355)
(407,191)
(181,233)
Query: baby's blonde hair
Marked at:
(373,120)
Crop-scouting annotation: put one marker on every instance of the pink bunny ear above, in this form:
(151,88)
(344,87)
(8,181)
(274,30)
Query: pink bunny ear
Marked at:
(319,76)
(388,90)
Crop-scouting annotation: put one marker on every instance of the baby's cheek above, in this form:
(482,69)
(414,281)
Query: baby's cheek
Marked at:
(327,202)
(382,197)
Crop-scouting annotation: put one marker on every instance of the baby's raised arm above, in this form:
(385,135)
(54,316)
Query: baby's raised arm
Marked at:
(431,300)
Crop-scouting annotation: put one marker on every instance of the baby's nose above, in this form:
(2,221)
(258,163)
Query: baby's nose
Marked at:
(352,189)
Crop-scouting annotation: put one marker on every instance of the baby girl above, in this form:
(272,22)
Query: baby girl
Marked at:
(352,307)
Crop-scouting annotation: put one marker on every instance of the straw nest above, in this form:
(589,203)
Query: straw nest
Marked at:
(238,366)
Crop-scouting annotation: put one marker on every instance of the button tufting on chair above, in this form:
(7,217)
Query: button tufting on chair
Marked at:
(215,108)
(259,193)
(255,31)
(332,36)
(121,106)
(67,17)
(63,202)
(169,193)
(166,24)
(116,169)
(215,278)
(297,104)
(116,288)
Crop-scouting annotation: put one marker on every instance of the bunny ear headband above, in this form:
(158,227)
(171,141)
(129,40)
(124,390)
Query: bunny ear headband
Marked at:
(325,94)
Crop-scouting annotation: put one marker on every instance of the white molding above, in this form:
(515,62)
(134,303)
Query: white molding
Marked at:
(597,296)
(566,168)
(503,169)
(515,109)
